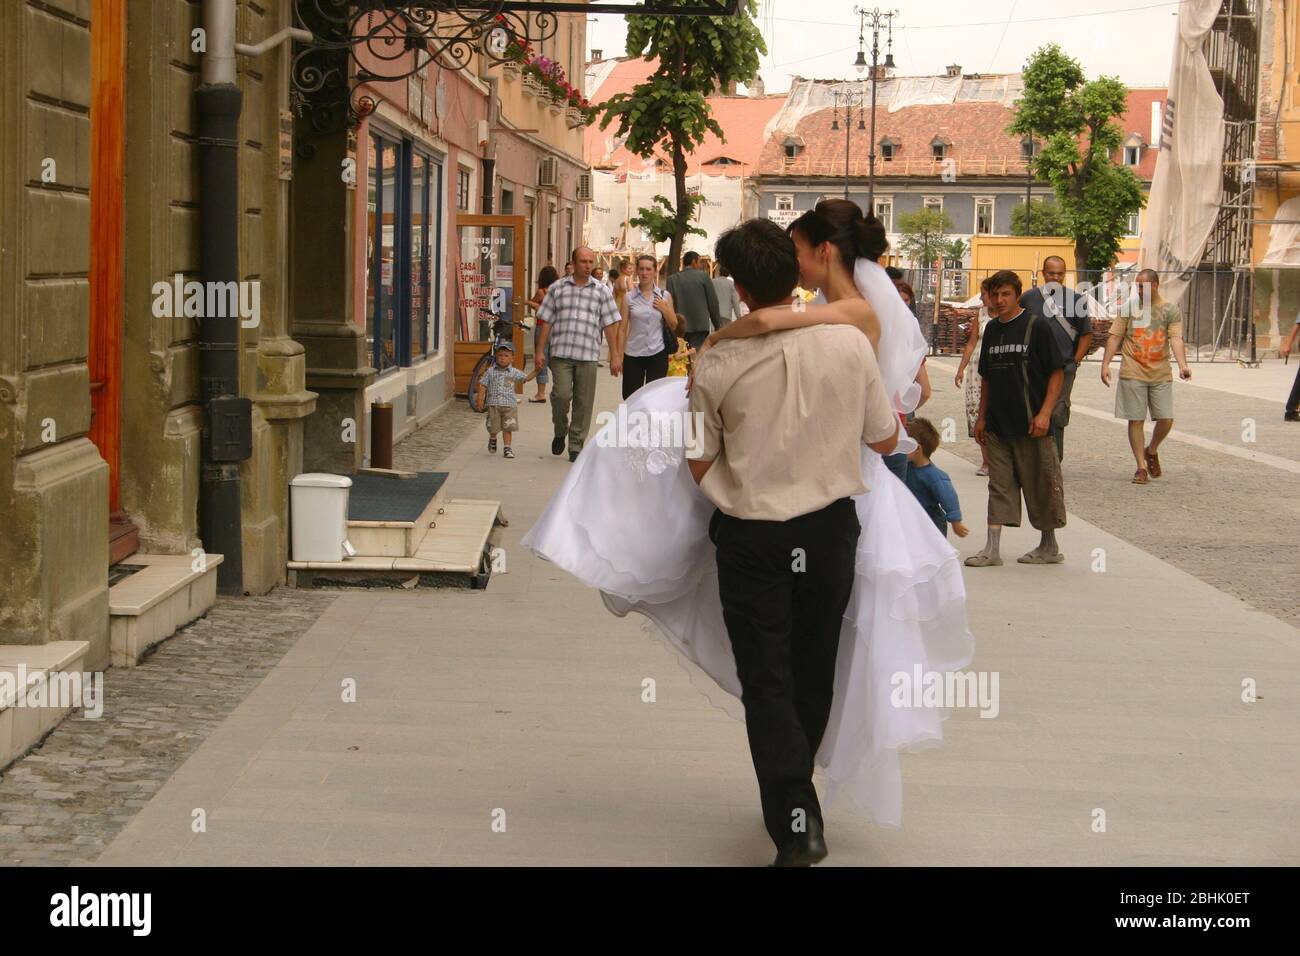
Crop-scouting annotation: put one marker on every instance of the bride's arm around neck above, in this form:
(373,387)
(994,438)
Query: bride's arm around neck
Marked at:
(774,318)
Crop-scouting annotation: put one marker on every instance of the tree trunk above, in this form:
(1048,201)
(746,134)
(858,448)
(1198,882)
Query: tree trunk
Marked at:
(682,208)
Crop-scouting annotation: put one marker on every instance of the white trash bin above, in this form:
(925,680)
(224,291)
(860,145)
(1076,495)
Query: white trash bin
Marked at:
(319,517)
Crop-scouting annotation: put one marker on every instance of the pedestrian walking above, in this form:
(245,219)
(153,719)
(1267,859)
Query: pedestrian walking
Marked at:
(1021,368)
(1292,413)
(1066,314)
(970,360)
(496,393)
(545,279)
(1146,380)
(651,326)
(729,305)
(576,312)
(693,296)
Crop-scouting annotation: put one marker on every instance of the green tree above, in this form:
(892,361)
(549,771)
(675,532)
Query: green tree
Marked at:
(923,235)
(1074,118)
(660,220)
(956,249)
(1044,220)
(669,111)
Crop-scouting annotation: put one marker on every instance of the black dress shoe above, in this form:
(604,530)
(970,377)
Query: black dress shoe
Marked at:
(557,445)
(1291,417)
(804,849)
(573,456)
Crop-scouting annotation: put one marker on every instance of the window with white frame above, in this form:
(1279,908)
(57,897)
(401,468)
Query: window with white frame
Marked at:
(885,212)
(1134,227)
(1132,155)
(983,216)
(933,202)
(784,202)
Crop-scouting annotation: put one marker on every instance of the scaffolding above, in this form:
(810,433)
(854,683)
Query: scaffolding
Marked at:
(1220,305)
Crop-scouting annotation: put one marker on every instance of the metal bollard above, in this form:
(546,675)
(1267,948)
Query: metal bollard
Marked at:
(381,435)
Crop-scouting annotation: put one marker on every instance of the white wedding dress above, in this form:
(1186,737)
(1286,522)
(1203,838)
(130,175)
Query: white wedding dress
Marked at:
(631,522)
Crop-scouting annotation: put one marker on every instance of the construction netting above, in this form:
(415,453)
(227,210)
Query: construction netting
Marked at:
(614,202)
(892,94)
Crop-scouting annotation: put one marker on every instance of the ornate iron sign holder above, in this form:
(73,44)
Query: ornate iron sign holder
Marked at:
(361,42)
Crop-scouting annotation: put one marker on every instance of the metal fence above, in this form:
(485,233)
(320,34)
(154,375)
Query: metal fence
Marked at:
(1217,307)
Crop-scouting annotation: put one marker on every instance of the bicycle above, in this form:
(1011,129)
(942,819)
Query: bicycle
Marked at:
(502,333)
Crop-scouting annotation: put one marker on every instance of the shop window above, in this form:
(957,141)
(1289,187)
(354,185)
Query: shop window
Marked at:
(404,210)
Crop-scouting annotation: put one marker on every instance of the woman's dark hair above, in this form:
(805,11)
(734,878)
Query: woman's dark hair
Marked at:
(546,277)
(906,292)
(841,223)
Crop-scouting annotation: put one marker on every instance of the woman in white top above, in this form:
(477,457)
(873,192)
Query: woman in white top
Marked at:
(970,360)
(646,310)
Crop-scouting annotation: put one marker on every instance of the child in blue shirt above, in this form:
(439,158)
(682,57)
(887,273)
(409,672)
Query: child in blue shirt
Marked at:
(930,483)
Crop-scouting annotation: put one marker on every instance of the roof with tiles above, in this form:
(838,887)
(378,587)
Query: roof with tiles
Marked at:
(742,118)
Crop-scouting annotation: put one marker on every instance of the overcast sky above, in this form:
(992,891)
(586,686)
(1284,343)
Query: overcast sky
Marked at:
(1131,39)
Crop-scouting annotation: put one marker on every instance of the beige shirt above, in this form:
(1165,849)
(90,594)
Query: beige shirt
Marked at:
(783,416)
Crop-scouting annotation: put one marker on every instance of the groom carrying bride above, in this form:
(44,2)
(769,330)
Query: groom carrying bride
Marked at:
(784,416)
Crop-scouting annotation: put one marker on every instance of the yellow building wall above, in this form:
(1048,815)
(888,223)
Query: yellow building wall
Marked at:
(1024,255)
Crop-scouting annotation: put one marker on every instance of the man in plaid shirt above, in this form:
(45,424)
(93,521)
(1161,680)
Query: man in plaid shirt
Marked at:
(576,311)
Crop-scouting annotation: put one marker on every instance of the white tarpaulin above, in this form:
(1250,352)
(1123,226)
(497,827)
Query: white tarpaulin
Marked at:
(1284,237)
(1184,198)
(614,202)
(892,94)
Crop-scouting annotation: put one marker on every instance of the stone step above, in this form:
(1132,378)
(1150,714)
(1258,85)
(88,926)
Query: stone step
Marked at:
(23,726)
(168,592)
(395,539)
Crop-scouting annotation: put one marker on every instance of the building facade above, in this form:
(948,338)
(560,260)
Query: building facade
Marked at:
(344,250)
(941,143)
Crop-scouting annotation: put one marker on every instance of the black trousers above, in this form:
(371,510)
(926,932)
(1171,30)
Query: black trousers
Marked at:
(784,587)
(1293,400)
(638,370)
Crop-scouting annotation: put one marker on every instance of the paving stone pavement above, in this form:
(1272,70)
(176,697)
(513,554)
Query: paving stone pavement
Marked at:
(1228,521)
(67,799)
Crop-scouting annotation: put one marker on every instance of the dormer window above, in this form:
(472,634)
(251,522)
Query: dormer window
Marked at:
(1027,149)
(939,148)
(889,149)
(1133,149)
(791,147)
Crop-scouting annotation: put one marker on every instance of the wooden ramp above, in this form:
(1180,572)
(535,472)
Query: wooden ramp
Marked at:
(453,552)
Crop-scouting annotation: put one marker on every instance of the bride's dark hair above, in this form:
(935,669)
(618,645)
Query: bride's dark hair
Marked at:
(841,223)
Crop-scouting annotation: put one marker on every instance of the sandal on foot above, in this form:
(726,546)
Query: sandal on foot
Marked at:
(982,471)
(1140,476)
(537,401)
(492,446)
(1034,557)
(1153,463)
(982,561)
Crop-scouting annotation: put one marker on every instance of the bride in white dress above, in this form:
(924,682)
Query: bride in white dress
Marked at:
(629,521)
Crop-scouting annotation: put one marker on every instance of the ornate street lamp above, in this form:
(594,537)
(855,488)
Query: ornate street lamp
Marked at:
(850,98)
(877,20)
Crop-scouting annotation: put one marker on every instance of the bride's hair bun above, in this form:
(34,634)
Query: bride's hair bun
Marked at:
(841,223)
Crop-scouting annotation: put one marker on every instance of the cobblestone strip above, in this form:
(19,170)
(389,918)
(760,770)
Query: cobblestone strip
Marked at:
(429,446)
(66,800)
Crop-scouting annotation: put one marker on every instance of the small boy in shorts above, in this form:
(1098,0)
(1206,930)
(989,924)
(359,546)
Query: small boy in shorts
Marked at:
(930,483)
(496,391)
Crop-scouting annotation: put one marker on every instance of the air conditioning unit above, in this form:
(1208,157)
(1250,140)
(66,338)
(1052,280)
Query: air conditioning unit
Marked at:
(584,187)
(548,171)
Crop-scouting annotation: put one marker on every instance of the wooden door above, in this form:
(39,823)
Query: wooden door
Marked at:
(104,348)
(488,252)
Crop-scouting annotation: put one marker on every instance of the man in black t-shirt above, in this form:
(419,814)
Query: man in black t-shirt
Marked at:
(1021,368)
